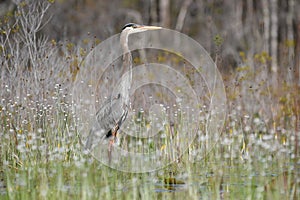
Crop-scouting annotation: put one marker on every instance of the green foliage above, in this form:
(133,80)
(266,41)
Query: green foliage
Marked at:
(263,57)
(290,43)
(218,40)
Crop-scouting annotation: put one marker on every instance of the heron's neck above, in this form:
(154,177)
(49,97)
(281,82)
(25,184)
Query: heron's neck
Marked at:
(124,41)
(126,66)
(127,58)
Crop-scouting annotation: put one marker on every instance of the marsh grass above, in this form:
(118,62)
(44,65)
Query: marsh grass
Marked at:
(41,158)
(255,157)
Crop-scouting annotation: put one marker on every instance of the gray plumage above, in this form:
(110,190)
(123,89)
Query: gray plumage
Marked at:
(108,119)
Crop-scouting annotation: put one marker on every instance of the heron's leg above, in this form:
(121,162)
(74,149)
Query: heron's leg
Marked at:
(115,132)
(114,135)
(109,150)
(112,141)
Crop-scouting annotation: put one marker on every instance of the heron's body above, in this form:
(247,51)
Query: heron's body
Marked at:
(106,124)
(114,111)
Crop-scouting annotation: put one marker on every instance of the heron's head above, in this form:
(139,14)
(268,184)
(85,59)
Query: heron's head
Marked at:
(136,28)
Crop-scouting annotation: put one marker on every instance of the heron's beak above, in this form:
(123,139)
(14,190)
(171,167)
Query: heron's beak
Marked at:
(149,27)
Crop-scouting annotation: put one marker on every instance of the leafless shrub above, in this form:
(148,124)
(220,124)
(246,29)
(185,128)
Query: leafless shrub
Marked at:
(31,65)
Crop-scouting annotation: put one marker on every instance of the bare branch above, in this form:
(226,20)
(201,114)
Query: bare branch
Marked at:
(182,14)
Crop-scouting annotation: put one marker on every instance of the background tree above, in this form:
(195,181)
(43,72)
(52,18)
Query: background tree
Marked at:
(253,27)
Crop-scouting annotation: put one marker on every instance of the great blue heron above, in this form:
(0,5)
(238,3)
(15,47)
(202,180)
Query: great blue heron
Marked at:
(114,111)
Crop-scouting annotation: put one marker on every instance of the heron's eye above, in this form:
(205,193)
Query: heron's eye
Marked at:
(132,25)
